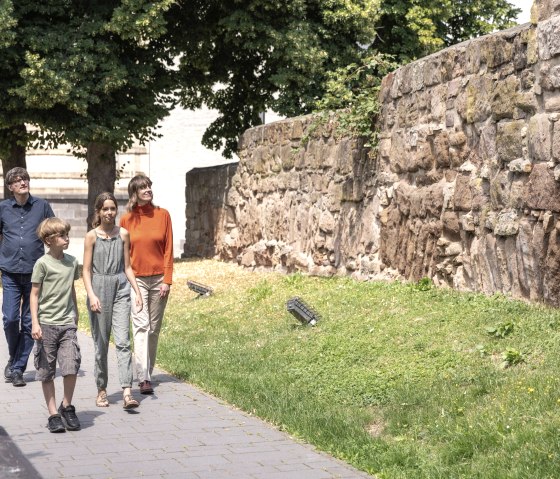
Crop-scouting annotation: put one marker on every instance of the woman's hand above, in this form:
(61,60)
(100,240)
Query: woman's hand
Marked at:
(139,303)
(94,304)
(164,290)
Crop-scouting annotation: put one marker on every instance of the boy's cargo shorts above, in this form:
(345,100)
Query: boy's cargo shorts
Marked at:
(59,342)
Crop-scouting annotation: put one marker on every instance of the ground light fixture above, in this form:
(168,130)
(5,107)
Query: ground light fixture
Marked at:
(199,288)
(302,311)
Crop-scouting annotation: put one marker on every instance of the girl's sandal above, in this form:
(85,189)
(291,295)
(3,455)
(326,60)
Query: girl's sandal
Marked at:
(101,399)
(130,402)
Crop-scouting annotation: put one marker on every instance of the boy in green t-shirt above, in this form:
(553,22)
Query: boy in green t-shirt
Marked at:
(54,316)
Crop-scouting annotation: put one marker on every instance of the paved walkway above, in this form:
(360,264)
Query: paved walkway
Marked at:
(179,432)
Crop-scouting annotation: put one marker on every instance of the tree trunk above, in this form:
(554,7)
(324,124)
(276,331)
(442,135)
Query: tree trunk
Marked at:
(12,150)
(101,173)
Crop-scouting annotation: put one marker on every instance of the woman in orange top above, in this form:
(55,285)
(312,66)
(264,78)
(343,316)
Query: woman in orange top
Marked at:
(151,257)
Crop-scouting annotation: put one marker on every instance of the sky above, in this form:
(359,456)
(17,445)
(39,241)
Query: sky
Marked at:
(525,5)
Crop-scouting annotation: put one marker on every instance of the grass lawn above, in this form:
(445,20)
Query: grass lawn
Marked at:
(399,380)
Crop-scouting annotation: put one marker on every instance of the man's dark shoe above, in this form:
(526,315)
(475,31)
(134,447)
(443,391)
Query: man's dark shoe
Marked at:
(69,418)
(8,371)
(55,424)
(146,387)
(17,379)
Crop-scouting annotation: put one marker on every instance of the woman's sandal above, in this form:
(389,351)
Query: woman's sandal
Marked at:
(130,402)
(101,399)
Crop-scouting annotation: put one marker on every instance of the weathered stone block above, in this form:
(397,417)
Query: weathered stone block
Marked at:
(556,142)
(509,140)
(479,98)
(548,38)
(527,102)
(473,56)
(450,224)
(504,97)
(421,158)
(542,191)
(440,145)
(551,103)
(463,197)
(297,130)
(539,138)
(520,165)
(432,70)
(507,224)
(458,155)
(549,77)
(496,51)
(417,75)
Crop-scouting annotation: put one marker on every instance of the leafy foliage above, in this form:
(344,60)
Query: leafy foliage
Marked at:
(352,92)
(511,357)
(96,75)
(97,71)
(501,330)
(243,58)
(409,30)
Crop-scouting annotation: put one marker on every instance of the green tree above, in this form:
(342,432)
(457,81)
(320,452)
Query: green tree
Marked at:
(13,134)
(242,58)
(410,29)
(92,74)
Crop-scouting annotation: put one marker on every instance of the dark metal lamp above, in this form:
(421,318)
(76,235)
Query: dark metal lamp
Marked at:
(199,289)
(302,311)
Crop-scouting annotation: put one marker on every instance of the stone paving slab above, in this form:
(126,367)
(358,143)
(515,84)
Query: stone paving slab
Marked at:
(179,432)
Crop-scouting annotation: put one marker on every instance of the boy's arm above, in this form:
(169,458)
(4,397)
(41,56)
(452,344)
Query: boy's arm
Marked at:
(36,332)
(74,298)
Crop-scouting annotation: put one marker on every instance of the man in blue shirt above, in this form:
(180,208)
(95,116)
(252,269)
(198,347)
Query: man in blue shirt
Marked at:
(20,247)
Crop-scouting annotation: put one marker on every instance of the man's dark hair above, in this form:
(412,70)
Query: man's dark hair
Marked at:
(16,173)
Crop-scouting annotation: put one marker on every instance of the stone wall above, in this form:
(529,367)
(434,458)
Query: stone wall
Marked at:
(209,212)
(464,187)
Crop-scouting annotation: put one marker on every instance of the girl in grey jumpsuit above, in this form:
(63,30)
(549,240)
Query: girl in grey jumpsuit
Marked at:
(108,278)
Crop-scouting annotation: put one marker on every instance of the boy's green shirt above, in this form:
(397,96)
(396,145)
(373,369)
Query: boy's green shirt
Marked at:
(56,278)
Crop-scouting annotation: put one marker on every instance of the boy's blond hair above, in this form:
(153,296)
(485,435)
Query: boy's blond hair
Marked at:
(52,227)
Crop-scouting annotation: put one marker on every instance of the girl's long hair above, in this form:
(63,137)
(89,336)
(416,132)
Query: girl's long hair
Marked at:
(101,198)
(136,183)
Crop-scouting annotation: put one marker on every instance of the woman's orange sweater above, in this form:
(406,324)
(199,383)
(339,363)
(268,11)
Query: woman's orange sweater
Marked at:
(151,241)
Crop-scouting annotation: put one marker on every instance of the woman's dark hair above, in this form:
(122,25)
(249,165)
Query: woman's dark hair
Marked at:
(136,183)
(101,198)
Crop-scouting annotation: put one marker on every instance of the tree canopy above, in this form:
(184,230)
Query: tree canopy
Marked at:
(409,29)
(248,56)
(100,74)
(91,71)
(96,75)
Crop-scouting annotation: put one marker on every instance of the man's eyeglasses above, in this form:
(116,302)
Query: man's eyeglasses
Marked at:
(19,180)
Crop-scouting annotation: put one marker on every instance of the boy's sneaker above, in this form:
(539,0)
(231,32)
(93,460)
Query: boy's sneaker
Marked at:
(55,424)
(69,418)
